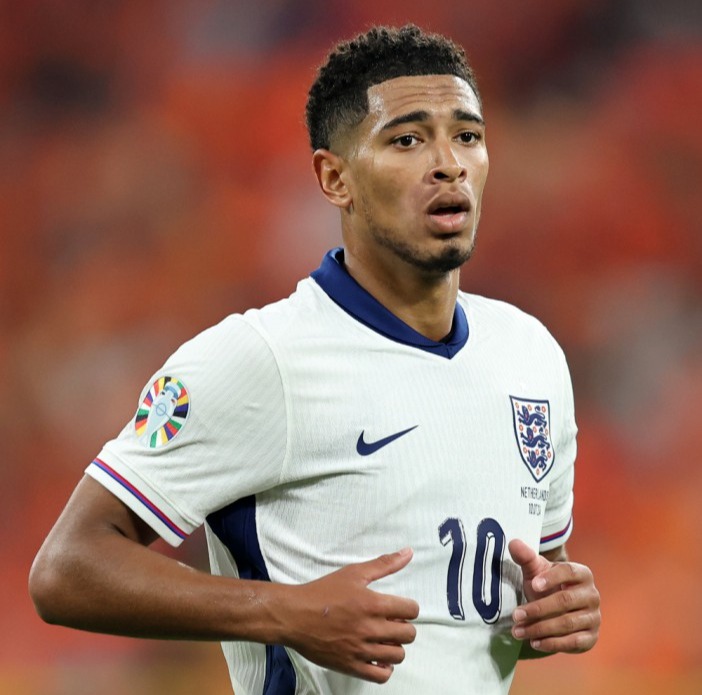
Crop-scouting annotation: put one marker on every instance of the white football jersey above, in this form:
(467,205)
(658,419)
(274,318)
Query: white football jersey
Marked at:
(321,431)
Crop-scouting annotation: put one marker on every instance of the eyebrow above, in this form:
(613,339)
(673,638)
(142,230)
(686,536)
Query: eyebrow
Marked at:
(421,116)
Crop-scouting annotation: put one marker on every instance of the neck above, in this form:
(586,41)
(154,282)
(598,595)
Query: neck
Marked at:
(425,302)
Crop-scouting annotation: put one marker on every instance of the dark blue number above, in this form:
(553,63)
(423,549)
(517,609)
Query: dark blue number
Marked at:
(451,531)
(487,568)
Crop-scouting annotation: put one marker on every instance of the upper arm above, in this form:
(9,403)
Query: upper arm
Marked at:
(91,513)
(91,509)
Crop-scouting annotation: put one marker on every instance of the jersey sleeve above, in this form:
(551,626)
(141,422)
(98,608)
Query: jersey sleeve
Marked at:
(558,516)
(210,428)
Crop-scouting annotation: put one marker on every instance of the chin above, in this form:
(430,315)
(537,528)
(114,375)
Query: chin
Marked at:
(450,258)
(438,257)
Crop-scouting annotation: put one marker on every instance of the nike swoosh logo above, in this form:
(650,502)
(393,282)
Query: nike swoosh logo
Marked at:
(367,448)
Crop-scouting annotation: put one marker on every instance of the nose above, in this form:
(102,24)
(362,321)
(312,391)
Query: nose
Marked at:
(447,167)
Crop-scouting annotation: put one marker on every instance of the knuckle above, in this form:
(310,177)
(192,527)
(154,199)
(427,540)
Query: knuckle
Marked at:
(566,599)
(536,631)
(363,655)
(572,571)
(586,572)
(569,624)
(375,604)
(592,620)
(386,559)
(533,611)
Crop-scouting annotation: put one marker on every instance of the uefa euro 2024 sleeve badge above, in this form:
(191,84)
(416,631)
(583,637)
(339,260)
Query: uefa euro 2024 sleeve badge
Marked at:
(532,428)
(162,413)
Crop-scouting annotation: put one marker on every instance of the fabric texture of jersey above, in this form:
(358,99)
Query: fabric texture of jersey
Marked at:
(323,431)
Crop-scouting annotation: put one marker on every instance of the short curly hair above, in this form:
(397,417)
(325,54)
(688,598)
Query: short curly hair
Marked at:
(338,98)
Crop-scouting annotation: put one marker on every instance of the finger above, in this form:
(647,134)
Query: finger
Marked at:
(398,608)
(559,603)
(572,644)
(568,624)
(388,654)
(528,559)
(384,565)
(562,574)
(373,672)
(396,632)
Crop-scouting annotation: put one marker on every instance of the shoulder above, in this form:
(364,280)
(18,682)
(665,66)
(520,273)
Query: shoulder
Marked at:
(486,311)
(503,324)
(227,341)
(253,329)
(252,340)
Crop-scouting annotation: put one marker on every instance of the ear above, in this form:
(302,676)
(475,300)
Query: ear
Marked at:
(332,172)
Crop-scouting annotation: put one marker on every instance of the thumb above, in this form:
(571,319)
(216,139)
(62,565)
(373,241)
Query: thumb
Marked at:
(528,559)
(384,565)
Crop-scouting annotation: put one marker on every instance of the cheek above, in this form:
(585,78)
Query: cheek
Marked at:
(482,172)
(477,181)
(397,188)
(386,194)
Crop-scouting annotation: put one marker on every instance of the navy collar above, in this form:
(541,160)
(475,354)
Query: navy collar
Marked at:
(335,280)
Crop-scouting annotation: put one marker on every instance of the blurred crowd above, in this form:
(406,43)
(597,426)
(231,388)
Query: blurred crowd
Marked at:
(155,176)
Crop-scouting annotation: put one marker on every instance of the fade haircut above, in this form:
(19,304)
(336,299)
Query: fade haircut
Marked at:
(338,98)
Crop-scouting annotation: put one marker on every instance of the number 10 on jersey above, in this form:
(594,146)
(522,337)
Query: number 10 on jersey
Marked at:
(487,568)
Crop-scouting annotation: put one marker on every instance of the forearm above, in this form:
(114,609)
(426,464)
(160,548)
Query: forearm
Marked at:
(124,588)
(96,572)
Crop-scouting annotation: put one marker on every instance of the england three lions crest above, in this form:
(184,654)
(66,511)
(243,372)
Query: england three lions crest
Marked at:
(532,428)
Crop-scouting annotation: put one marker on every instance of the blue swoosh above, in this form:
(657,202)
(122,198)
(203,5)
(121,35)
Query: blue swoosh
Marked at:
(366,448)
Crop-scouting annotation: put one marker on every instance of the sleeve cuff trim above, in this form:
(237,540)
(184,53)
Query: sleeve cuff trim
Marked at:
(558,534)
(114,475)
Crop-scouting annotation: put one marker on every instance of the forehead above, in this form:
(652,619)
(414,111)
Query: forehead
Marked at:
(435,94)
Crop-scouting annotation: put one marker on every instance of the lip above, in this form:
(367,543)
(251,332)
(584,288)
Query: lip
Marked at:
(449,222)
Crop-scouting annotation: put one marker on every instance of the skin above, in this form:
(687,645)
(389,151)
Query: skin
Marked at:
(562,612)
(423,141)
(384,177)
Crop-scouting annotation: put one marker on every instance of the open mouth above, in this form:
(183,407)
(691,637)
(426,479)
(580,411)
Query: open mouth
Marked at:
(449,215)
(446,210)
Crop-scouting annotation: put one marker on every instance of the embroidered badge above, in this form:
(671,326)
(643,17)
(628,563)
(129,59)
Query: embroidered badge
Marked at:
(162,413)
(532,427)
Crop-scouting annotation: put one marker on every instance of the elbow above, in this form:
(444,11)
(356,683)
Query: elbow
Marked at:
(46,588)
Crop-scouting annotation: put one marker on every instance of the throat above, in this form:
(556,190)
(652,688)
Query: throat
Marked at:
(425,301)
(440,331)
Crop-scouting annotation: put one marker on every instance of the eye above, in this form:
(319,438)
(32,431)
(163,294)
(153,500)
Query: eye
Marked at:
(468,136)
(405,141)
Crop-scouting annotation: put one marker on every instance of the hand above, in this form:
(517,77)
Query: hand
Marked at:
(339,623)
(562,613)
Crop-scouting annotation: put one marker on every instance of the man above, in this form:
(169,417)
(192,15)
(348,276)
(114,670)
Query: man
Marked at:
(377,407)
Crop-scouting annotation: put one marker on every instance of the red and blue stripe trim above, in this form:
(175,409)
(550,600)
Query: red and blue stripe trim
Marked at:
(558,534)
(144,500)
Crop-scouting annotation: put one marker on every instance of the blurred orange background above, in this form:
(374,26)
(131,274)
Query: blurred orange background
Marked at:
(155,176)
